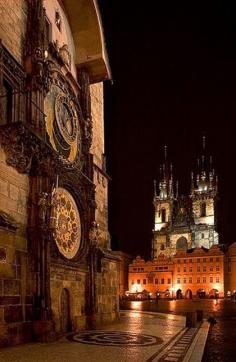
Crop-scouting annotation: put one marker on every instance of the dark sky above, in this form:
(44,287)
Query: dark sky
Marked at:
(174,74)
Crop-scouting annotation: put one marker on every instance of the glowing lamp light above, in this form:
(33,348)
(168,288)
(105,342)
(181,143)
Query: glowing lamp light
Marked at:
(136,288)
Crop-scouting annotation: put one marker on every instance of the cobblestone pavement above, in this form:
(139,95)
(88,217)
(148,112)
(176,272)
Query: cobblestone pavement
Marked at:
(137,337)
(220,345)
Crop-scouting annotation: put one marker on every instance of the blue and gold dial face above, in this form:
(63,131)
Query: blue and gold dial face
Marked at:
(62,123)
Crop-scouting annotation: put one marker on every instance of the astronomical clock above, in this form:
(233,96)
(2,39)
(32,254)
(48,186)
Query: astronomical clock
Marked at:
(63,126)
(63,119)
(66,223)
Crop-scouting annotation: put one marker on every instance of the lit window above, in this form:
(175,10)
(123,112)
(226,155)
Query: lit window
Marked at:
(217,279)
(185,280)
(178,261)
(204,260)
(190,269)
(162,281)
(138,281)
(178,269)
(217,268)
(198,268)
(190,280)
(211,268)
(178,280)
(156,281)
(198,279)
(204,268)
(185,269)
(144,281)
(134,269)
(211,279)
(169,281)
(204,279)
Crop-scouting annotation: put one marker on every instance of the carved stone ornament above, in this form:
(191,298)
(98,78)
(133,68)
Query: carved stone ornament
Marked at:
(19,146)
(65,222)
(65,55)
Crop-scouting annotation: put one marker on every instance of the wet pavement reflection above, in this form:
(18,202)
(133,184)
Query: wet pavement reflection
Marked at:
(221,342)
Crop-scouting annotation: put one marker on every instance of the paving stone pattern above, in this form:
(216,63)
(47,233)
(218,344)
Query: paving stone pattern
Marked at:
(178,351)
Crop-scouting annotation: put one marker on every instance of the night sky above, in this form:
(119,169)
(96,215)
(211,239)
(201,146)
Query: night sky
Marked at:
(174,79)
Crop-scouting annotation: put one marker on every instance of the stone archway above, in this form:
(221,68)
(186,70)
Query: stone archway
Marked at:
(179,294)
(188,294)
(65,311)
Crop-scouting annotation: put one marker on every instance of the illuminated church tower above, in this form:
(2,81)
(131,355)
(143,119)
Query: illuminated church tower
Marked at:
(203,197)
(163,204)
(185,222)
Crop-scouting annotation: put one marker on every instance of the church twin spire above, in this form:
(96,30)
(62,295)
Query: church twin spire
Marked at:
(204,179)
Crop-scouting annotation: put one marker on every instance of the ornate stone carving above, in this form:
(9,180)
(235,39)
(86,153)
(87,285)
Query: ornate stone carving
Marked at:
(65,55)
(19,146)
(85,101)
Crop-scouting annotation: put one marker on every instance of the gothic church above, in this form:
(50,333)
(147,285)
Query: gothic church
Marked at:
(185,222)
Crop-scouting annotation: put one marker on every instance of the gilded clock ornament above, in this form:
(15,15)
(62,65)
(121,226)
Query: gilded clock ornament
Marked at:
(63,121)
(66,224)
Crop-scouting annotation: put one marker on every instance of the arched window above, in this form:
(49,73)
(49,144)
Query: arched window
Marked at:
(163,215)
(203,209)
(182,243)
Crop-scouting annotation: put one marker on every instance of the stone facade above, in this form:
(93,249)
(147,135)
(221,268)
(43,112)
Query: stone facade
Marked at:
(188,274)
(46,289)
(185,221)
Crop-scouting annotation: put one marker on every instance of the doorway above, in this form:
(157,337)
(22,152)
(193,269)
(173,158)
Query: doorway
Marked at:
(65,311)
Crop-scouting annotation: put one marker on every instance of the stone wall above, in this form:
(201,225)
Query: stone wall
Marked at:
(13,26)
(97,148)
(74,282)
(107,297)
(15,299)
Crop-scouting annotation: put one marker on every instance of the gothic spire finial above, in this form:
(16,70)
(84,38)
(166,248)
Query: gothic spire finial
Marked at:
(203,142)
(155,188)
(177,189)
(165,152)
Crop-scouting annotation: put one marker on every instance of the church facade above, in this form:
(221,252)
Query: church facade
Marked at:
(57,271)
(185,222)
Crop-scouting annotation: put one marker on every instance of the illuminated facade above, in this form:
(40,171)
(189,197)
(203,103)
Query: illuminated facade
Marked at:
(190,273)
(186,258)
(185,222)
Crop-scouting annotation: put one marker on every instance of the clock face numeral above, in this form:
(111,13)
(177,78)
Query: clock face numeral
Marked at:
(66,223)
(62,123)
